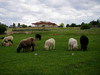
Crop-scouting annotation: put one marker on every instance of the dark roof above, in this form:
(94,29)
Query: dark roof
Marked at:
(43,22)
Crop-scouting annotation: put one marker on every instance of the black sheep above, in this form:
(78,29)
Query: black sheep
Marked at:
(84,42)
(38,36)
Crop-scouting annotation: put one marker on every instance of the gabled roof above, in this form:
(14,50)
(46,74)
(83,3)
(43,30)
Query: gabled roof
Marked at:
(44,22)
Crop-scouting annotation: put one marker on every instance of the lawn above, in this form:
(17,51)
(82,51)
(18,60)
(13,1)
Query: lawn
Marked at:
(53,62)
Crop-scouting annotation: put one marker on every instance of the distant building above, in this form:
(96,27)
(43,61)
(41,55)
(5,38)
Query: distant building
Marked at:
(44,24)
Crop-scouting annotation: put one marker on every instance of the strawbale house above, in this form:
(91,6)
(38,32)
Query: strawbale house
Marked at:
(44,24)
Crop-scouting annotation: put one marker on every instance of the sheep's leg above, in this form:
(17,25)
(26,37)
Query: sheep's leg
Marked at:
(54,46)
(51,46)
(72,47)
(23,49)
(33,47)
(2,44)
(39,38)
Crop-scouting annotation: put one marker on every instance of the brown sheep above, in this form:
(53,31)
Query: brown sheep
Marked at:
(26,44)
(7,44)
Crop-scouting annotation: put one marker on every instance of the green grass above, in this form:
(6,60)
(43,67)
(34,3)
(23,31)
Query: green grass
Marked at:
(54,62)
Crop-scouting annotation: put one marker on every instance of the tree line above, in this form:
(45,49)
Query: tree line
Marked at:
(95,24)
(90,24)
(19,25)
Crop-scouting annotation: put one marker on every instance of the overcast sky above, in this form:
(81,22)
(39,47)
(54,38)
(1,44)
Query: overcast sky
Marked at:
(57,11)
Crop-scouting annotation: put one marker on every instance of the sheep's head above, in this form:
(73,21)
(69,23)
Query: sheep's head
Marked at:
(46,47)
(18,49)
(75,46)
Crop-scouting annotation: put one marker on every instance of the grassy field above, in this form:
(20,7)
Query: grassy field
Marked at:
(54,62)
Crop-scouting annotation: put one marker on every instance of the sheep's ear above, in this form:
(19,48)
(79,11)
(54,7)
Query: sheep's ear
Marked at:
(32,39)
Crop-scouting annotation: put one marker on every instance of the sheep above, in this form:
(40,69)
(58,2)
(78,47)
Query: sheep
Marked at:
(7,44)
(72,44)
(84,42)
(38,36)
(27,43)
(8,38)
(49,44)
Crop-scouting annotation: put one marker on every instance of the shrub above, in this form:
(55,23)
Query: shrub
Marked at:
(2,28)
(85,26)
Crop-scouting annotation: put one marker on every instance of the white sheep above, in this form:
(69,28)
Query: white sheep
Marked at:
(49,44)
(72,44)
(8,38)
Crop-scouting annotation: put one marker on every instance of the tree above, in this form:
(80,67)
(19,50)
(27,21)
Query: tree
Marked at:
(98,21)
(78,25)
(29,26)
(3,28)
(19,25)
(93,23)
(82,23)
(73,25)
(14,25)
(61,25)
(24,26)
(85,26)
(67,25)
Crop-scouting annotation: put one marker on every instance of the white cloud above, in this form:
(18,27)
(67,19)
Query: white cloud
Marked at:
(56,2)
(66,11)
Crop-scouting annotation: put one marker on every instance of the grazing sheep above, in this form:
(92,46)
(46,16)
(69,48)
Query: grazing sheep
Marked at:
(38,36)
(7,44)
(84,42)
(72,44)
(8,38)
(49,44)
(26,44)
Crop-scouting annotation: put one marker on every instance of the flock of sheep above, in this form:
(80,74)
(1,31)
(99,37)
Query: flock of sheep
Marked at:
(29,43)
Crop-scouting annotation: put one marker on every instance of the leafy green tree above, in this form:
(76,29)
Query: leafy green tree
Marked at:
(98,21)
(3,28)
(29,26)
(94,23)
(61,25)
(67,25)
(82,23)
(98,25)
(19,25)
(78,25)
(85,26)
(14,25)
(24,26)
(73,25)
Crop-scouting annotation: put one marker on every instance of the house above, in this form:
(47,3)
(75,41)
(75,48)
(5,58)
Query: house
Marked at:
(44,24)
